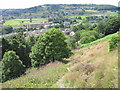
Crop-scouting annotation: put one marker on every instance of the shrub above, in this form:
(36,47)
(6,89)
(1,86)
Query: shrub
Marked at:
(113,43)
(88,36)
(11,66)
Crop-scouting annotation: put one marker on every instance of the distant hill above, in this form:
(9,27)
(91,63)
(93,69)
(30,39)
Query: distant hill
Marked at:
(45,10)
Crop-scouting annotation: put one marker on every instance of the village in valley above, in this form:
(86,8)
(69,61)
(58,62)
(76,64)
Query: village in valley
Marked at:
(59,17)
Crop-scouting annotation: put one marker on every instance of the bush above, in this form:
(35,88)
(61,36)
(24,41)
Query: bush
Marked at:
(113,43)
(11,66)
(88,36)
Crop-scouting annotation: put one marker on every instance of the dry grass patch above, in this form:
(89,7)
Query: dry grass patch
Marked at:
(100,72)
(44,77)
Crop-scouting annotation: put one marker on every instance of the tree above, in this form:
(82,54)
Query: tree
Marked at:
(11,66)
(31,40)
(50,47)
(7,29)
(41,27)
(101,27)
(77,35)
(89,36)
(56,47)
(37,54)
(110,26)
(87,26)
(113,25)
(5,45)
(71,42)
(17,43)
(75,28)
(30,19)
(80,26)
(79,18)
(114,43)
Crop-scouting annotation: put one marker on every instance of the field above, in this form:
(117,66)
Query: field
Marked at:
(92,66)
(72,16)
(80,21)
(112,13)
(19,22)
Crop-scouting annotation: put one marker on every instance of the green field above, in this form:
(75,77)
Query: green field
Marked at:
(72,16)
(19,22)
(112,13)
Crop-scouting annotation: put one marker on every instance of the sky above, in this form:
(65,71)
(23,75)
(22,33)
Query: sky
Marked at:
(15,4)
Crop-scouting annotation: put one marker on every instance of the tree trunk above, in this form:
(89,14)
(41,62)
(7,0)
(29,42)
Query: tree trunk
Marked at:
(53,59)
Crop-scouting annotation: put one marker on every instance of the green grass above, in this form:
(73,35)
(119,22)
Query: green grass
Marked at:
(112,13)
(18,22)
(101,72)
(44,78)
(78,20)
(99,40)
(72,16)
(104,65)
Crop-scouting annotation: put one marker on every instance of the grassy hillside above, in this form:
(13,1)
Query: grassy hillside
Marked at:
(99,40)
(96,67)
(92,66)
(19,22)
(43,77)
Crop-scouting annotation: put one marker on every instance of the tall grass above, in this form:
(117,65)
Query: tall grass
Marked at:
(43,78)
(101,73)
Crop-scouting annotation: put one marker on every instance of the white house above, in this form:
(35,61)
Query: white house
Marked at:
(72,33)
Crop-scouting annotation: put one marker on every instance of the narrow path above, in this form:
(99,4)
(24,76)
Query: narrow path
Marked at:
(60,82)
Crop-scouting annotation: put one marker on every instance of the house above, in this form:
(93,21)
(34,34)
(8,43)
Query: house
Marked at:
(54,24)
(37,25)
(8,35)
(36,32)
(46,26)
(19,27)
(67,31)
(72,33)
(66,23)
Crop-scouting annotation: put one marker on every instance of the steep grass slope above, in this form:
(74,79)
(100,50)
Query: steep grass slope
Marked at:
(92,66)
(44,77)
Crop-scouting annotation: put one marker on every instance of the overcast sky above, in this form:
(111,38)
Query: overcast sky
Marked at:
(6,4)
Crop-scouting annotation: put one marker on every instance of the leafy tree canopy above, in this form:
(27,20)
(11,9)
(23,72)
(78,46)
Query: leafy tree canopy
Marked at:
(50,47)
(11,66)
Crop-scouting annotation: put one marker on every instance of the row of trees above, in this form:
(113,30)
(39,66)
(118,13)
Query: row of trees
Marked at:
(110,26)
(20,53)
(85,33)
